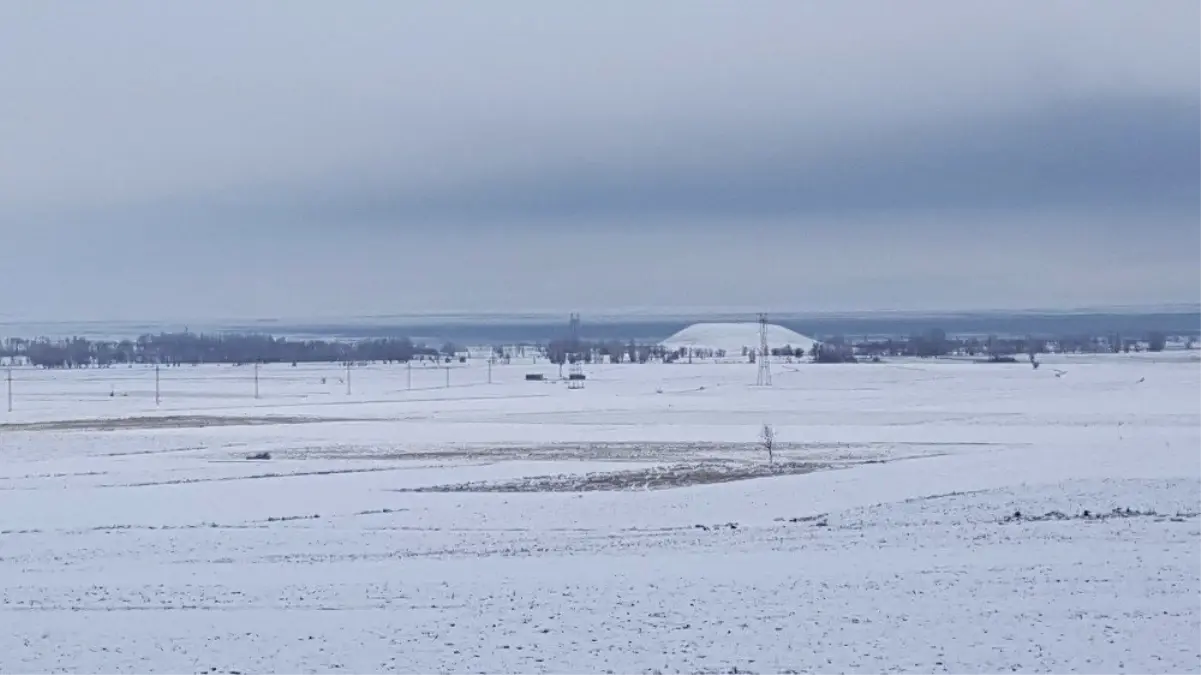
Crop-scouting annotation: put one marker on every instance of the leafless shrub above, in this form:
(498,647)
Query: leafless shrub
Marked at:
(767,439)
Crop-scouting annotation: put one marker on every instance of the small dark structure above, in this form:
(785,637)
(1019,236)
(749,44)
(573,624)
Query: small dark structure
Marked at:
(534,377)
(576,376)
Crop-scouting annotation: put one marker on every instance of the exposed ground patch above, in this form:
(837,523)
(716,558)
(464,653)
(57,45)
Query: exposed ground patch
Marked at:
(1087,515)
(552,452)
(631,451)
(167,422)
(257,476)
(653,478)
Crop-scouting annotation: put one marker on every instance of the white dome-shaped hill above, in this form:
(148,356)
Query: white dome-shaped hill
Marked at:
(732,337)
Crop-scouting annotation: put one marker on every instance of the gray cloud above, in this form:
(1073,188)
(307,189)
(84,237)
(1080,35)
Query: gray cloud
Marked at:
(1096,155)
(177,131)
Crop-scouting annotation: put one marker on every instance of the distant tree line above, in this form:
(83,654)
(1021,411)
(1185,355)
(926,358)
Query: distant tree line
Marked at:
(190,348)
(937,343)
(567,350)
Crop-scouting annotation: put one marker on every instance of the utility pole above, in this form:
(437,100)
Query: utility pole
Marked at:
(409,373)
(157,391)
(348,378)
(10,388)
(448,376)
(489,370)
(256,379)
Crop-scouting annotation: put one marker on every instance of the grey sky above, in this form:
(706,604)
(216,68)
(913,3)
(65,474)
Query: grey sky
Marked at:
(199,159)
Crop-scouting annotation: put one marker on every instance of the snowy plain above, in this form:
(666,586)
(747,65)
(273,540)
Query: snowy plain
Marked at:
(920,516)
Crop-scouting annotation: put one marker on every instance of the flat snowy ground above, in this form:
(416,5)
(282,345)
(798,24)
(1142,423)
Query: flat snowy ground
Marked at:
(919,516)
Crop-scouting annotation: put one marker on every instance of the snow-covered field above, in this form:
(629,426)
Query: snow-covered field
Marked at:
(919,516)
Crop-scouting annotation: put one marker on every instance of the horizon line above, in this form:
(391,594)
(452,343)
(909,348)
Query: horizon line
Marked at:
(614,314)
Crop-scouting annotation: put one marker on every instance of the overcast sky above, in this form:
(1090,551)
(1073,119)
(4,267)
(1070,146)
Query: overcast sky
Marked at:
(309,159)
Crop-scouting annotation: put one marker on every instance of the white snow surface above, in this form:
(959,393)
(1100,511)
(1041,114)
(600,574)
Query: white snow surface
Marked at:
(154,545)
(732,337)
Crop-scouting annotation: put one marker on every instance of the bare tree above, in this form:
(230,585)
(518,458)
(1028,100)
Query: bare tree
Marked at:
(767,438)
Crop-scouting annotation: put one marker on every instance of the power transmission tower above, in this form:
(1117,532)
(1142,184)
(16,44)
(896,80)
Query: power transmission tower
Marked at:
(573,326)
(575,374)
(764,377)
